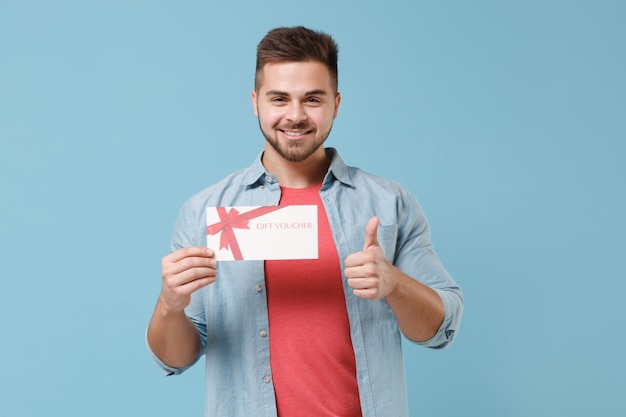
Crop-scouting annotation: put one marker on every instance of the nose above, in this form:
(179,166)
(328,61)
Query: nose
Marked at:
(296,112)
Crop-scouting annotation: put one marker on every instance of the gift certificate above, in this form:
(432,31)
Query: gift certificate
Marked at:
(262,232)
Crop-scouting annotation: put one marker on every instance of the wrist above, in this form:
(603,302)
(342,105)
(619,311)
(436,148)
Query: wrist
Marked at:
(397,286)
(165,309)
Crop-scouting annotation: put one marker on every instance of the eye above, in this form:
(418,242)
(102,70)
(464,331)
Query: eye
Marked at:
(313,100)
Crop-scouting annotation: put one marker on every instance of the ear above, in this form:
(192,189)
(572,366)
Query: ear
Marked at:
(254,103)
(337,102)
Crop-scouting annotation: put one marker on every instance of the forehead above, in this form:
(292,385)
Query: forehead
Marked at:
(294,76)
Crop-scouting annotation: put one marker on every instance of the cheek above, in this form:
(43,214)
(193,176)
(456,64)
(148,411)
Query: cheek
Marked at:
(323,118)
(269,116)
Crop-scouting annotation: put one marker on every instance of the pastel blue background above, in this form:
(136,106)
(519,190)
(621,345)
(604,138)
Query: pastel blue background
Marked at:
(506,120)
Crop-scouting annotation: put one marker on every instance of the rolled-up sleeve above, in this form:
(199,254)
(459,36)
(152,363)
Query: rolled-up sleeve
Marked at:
(416,257)
(187,232)
(169,370)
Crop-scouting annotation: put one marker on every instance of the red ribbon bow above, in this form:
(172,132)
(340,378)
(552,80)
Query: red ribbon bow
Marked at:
(231,220)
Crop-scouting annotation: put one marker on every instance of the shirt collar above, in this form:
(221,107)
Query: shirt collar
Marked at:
(255,173)
(338,170)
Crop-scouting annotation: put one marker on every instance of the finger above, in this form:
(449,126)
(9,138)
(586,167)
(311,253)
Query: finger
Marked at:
(371,232)
(191,275)
(177,297)
(362,283)
(368,294)
(184,264)
(355,259)
(353,272)
(194,286)
(365,270)
(191,251)
(364,288)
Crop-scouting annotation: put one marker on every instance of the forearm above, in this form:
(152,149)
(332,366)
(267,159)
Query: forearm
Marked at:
(173,337)
(417,307)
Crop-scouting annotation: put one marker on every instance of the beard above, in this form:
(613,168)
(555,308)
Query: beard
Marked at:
(296,151)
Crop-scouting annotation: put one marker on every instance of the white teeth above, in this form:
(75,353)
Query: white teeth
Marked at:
(293,133)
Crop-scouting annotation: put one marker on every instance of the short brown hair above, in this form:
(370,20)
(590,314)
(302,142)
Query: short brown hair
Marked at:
(297,44)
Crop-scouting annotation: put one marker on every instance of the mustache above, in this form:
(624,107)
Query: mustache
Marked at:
(297,126)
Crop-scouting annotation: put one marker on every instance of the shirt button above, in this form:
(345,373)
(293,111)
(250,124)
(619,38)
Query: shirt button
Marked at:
(258,287)
(263,333)
(266,379)
(269,179)
(262,187)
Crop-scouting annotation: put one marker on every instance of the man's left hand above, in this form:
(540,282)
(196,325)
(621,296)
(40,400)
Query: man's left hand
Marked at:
(369,273)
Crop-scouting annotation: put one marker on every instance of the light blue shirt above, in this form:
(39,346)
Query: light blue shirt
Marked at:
(231,314)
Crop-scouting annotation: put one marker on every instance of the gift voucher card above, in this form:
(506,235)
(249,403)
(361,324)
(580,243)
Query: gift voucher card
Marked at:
(262,232)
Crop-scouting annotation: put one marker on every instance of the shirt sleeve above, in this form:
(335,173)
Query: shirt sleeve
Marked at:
(188,231)
(416,257)
(168,370)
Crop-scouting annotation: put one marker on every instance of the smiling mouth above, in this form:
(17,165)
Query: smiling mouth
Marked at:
(295,133)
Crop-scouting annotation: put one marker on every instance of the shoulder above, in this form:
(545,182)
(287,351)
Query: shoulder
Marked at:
(363,181)
(213,194)
(380,186)
(189,229)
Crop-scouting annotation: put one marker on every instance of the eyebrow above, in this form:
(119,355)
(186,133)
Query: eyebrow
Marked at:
(318,92)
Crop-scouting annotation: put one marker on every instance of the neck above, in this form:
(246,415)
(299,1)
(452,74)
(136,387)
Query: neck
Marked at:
(302,174)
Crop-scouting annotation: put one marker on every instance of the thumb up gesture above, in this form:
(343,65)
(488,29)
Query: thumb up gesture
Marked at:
(369,273)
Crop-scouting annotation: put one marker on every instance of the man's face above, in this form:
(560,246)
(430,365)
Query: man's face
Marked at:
(296,105)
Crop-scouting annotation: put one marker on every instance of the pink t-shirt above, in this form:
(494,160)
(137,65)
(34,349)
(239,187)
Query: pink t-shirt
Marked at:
(311,354)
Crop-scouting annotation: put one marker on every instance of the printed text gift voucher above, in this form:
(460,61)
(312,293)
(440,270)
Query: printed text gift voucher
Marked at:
(262,232)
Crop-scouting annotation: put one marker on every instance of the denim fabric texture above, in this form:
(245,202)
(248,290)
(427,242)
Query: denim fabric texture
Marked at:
(231,314)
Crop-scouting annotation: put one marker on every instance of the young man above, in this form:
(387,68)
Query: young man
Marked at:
(314,337)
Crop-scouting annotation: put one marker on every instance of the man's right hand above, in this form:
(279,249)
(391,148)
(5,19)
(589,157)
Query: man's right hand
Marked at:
(171,334)
(183,272)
